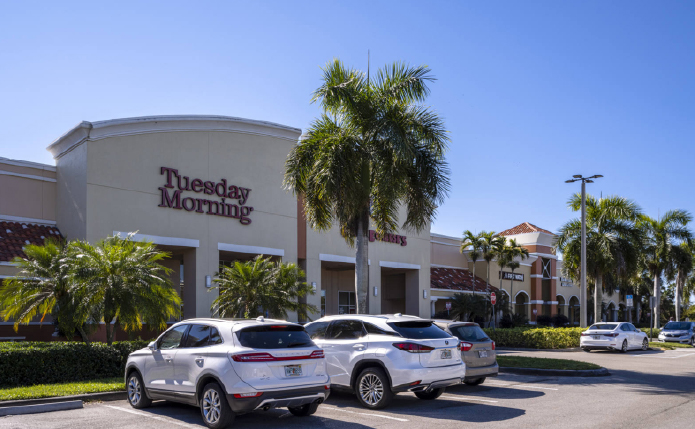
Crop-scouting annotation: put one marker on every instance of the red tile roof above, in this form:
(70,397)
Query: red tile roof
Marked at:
(14,236)
(457,279)
(524,228)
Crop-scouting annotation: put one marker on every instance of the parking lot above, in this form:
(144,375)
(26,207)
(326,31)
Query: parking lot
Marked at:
(646,389)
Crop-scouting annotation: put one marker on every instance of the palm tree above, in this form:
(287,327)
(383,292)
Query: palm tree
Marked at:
(40,288)
(680,267)
(662,235)
(510,256)
(251,288)
(122,282)
(613,243)
(471,241)
(375,149)
(467,306)
(490,243)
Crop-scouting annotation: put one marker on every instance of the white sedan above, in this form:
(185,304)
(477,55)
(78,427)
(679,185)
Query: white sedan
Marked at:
(613,336)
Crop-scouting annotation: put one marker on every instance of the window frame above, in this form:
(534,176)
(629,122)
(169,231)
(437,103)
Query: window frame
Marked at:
(184,336)
(353,307)
(329,330)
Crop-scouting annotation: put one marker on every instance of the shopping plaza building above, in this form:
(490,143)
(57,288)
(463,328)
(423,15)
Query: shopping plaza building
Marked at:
(208,190)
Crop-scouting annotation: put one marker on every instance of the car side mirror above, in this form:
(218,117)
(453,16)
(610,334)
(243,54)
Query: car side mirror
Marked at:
(152,346)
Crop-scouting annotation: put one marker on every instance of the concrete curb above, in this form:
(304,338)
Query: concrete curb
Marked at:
(602,372)
(40,408)
(520,349)
(102,396)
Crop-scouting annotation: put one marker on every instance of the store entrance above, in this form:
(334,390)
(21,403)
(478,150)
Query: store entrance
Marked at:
(393,292)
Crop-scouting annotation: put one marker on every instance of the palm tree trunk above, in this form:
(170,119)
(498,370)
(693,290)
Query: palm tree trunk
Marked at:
(487,287)
(362,264)
(678,296)
(511,292)
(657,294)
(598,298)
(83,334)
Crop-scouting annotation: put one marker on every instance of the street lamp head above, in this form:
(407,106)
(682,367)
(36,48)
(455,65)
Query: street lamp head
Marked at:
(597,176)
(577,176)
(570,181)
(589,181)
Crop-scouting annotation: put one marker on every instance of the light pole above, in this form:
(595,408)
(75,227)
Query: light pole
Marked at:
(582,287)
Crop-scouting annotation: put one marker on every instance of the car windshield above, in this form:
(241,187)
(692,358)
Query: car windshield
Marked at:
(419,330)
(274,337)
(604,326)
(677,326)
(469,333)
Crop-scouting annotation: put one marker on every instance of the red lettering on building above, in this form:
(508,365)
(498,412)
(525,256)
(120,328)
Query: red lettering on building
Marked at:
(388,238)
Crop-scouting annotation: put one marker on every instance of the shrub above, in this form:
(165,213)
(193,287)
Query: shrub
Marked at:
(506,322)
(511,321)
(29,363)
(560,320)
(442,315)
(543,320)
(536,338)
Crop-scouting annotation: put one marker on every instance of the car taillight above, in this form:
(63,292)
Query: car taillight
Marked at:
(267,357)
(413,347)
(613,335)
(584,334)
(247,395)
(316,354)
(465,346)
(493,345)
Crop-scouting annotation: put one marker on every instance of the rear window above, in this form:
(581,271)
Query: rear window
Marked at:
(274,337)
(469,333)
(604,326)
(418,330)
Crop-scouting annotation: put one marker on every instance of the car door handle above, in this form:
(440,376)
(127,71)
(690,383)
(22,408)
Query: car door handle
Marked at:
(199,360)
(358,346)
(168,359)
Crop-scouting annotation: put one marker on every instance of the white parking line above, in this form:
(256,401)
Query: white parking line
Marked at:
(535,387)
(162,419)
(365,414)
(463,398)
(655,356)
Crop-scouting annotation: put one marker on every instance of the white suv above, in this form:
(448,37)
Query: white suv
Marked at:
(379,356)
(230,367)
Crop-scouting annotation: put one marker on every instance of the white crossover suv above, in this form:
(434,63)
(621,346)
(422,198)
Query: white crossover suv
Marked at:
(378,356)
(230,367)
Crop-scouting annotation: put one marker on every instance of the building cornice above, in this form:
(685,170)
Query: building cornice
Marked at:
(92,131)
(30,164)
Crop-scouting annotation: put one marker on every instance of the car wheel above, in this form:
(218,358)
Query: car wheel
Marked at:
(623,349)
(428,395)
(214,407)
(136,391)
(692,341)
(373,389)
(645,344)
(475,382)
(304,410)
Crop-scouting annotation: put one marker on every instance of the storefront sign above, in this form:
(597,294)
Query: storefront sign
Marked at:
(505,275)
(389,238)
(566,282)
(232,202)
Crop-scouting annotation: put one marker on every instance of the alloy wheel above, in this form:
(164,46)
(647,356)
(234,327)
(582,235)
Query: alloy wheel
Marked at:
(134,390)
(371,389)
(645,344)
(624,349)
(211,406)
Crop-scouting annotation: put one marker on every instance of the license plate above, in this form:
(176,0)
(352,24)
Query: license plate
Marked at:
(293,371)
(482,353)
(597,337)
(446,354)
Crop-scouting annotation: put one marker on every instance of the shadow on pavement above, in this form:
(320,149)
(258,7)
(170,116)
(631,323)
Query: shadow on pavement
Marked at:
(493,392)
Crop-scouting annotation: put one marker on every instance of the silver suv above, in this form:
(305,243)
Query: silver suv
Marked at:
(230,367)
(378,356)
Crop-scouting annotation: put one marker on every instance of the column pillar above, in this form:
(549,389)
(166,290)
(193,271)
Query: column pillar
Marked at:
(374,302)
(313,275)
(189,283)
(413,294)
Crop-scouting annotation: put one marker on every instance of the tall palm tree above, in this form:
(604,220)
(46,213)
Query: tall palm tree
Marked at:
(511,256)
(40,288)
(490,243)
(375,149)
(123,282)
(613,242)
(471,242)
(250,288)
(662,235)
(680,268)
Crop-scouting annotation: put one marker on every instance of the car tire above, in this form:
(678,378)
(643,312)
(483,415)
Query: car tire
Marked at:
(623,348)
(475,382)
(692,341)
(304,410)
(214,408)
(645,344)
(429,395)
(373,389)
(586,349)
(135,388)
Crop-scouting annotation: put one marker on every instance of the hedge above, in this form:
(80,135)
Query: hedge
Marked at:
(29,363)
(540,338)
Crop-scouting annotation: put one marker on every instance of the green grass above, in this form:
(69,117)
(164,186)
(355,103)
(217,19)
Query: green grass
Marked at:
(62,389)
(543,363)
(669,346)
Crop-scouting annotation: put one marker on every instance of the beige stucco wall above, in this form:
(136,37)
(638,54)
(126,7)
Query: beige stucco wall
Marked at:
(71,195)
(27,190)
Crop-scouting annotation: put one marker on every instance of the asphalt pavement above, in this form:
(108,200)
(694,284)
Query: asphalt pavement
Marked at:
(646,389)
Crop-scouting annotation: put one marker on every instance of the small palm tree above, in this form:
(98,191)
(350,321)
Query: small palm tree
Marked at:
(41,288)
(613,243)
(662,235)
(250,288)
(375,149)
(465,306)
(510,256)
(471,241)
(122,282)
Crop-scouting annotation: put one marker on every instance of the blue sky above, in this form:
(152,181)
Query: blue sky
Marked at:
(532,92)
